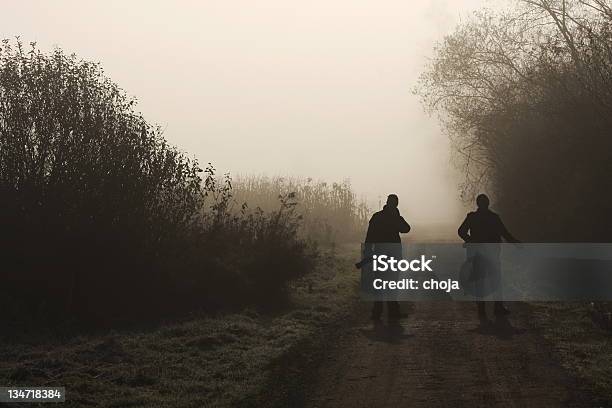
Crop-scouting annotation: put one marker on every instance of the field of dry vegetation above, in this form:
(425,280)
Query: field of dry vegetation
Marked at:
(329,212)
(105,223)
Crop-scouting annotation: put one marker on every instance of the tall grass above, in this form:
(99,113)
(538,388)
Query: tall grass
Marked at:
(330,212)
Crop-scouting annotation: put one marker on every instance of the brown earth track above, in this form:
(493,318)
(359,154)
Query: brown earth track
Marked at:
(439,356)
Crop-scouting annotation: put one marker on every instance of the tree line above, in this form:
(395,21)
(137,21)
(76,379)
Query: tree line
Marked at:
(103,220)
(525,94)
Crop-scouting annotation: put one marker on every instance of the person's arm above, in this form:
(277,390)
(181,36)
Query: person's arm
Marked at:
(368,246)
(506,234)
(370,233)
(464,229)
(403,226)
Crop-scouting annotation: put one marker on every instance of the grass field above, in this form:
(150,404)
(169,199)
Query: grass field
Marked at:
(250,358)
(583,348)
(225,360)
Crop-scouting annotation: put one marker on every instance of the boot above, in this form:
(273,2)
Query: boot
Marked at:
(393,310)
(500,310)
(377,311)
(482,313)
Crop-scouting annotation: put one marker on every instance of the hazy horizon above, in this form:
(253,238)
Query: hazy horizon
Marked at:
(319,89)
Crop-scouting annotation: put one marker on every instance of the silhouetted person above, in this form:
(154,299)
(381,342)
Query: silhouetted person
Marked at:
(485,226)
(385,227)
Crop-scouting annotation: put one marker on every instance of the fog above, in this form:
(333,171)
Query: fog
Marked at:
(317,89)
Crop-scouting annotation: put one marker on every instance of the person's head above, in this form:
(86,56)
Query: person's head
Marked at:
(392,200)
(482,201)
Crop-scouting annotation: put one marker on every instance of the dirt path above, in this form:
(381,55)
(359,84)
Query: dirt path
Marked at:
(439,357)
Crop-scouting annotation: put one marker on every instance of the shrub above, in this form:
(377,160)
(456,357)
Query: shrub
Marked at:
(102,219)
(265,246)
(331,212)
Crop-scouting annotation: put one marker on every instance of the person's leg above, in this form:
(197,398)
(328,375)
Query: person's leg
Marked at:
(500,310)
(482,314)
(377,310)
(393,309)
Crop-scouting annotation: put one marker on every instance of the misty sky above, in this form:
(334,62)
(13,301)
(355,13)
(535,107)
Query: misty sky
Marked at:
(318,88)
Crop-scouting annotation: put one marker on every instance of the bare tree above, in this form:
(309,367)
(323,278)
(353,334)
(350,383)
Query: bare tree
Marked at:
(525,95)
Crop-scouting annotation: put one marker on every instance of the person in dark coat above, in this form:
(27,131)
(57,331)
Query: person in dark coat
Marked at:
(385,227)
(485,226)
